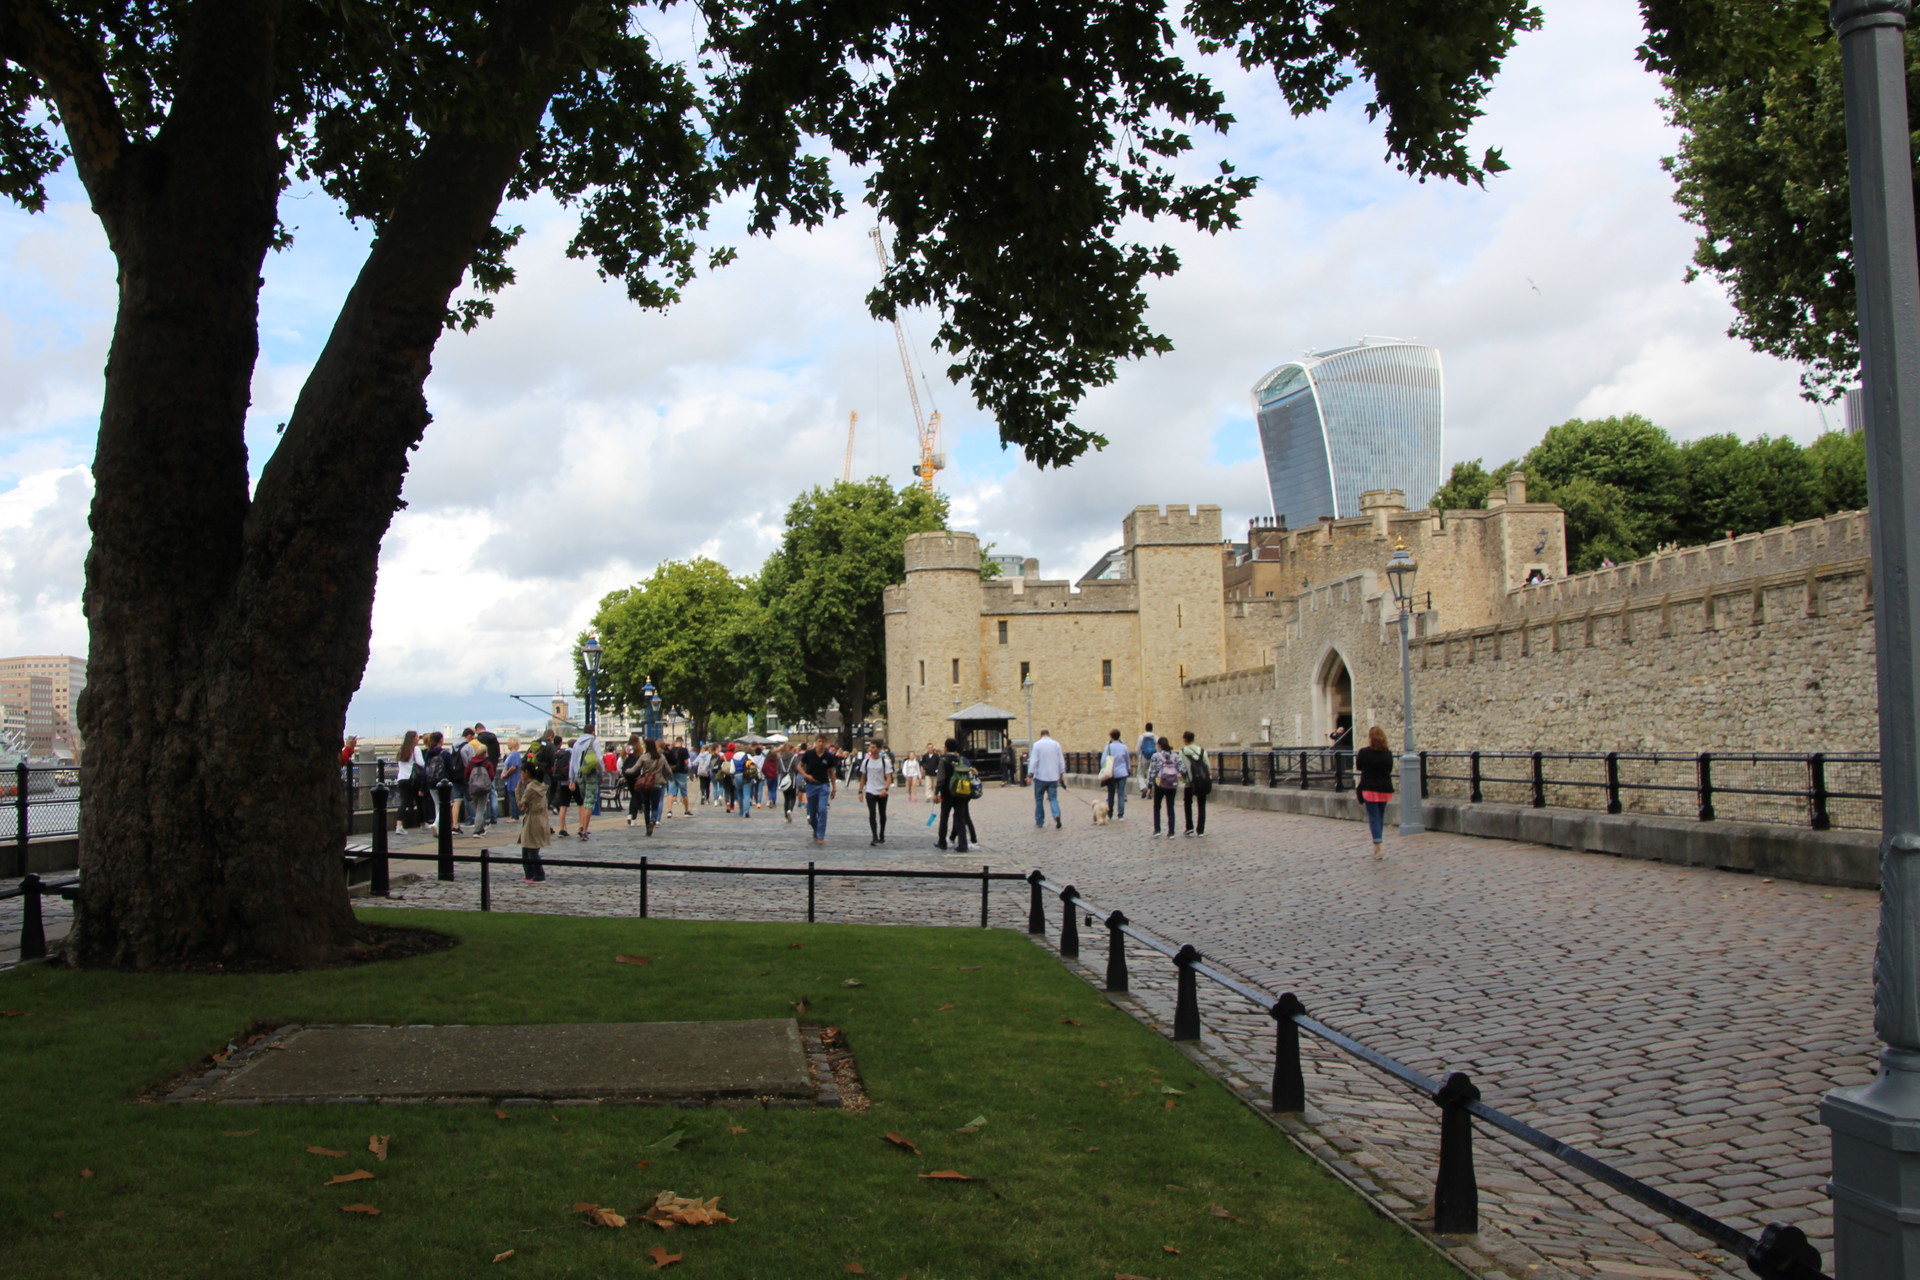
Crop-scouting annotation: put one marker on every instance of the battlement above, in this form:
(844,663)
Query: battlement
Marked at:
(1032,595)
(1171,526)
(942,549)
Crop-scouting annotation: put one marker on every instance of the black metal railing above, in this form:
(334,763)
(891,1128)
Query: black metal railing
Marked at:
(37,802)
(1780,1252)
(33,925)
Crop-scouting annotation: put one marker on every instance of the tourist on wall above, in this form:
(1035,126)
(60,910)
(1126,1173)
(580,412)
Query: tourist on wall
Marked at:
(347,749)
(405,765)
(817,772)
(876,780)
(1116,767)
(1046,765)
(536,770)
(510,781)
(680,761)
(1165,772)
(491,745)
(1375,763)
(585,762)
(479,788)
(438,765)
(559,782)
(479,804)
(1199,775)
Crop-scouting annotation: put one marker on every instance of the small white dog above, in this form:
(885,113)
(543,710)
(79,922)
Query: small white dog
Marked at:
(1100,814)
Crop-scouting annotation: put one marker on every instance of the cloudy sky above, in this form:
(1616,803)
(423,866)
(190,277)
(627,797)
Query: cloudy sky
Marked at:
(1556,292)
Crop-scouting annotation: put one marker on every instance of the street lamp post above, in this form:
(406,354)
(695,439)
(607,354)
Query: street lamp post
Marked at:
(651,697)
(1400,573)
(1026,687)
(590,652)
(1876,1127)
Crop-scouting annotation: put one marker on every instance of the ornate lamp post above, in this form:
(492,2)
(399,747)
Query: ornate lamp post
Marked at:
(1876,1127)
(652,697)
(1400,572)
(590,652)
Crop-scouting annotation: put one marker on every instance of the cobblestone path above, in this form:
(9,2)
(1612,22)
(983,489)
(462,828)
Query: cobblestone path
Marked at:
(1679,1023)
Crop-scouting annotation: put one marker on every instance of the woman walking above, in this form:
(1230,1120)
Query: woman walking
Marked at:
(1116,767)
(1375,763)
(876,779)
(910,776)
(406,784)
(1165,772)
(536,768)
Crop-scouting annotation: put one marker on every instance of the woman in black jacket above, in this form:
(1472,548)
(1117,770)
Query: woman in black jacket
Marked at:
(1375,763)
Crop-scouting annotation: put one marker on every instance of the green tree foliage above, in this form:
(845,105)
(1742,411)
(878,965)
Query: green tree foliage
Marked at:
(1468,485)
(1839,462)
(822,634)
(686,628)
(1756,90)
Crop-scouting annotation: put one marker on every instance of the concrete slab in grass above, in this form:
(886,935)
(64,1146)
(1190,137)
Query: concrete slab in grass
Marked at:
(665,1061)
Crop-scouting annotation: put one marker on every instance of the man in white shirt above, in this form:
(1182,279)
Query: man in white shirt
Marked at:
(1046,763)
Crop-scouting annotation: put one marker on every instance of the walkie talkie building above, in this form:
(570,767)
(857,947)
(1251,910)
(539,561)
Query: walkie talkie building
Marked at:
(1340,422)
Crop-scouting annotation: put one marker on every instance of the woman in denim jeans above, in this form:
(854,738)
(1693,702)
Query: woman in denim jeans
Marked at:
(1117,777)
(1375,763)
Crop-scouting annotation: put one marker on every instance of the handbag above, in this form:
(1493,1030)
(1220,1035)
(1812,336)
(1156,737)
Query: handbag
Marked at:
(1106,767)
(786,781)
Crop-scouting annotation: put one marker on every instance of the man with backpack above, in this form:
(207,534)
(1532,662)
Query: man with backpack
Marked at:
(584,768)
(1148,745)
(957,783)
(1199,783)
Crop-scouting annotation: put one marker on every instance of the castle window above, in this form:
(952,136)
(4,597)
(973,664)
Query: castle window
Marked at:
(923,671)
(1106,673)
(1179,617)
(1003,631)
(1025,667)
(956,671)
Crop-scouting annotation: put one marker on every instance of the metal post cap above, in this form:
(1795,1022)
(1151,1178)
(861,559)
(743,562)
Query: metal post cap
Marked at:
(1849,16)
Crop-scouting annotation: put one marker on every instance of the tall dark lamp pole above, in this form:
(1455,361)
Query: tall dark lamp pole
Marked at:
(590,653)
(1876,1127)
(652,697)
(1400,573)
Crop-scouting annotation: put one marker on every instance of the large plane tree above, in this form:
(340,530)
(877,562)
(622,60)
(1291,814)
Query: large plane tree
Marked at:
(1004,141)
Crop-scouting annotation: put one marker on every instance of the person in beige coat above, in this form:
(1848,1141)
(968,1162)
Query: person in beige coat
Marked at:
(536,831)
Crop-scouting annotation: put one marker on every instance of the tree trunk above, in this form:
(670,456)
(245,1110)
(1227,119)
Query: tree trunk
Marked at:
(229,635)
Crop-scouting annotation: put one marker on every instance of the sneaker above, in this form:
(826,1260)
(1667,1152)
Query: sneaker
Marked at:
(1056,821)
(583,835)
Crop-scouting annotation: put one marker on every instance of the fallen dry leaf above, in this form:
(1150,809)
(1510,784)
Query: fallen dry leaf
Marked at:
(498,1114)
(969,968)
(13,1013)
(634,959)
(904,1143)
(1168,1104)
(367,1209)
(1167,1248)
(1072,1022)
(1091,1150)
(1218,1212)
(736,1128)
(502,1257)
(238,1133)
(222,1056)
(855,1269)
(669,1211)
(378,1145)
(86,1173)
(943,1008)
(599,1217)
(641,1164)
(795,946)
(325,1151)
(1174,1186)
(1127,1275)
(948,1175)
(661,1258)
(358,1175)
(59,1214)
(801,1005)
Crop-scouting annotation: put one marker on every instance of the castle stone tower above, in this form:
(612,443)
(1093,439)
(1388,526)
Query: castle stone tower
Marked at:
(933,638)
(1176,557)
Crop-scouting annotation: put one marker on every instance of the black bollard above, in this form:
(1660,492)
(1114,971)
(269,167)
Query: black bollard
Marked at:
(1116,952)
(1069,926)
(986,880)
(377,884)
(1289,1086)
(1186,1006)
(1456,1194)
(22,820)
(444,798)
(809,893)
(643,886)
(33,930)
(1036,908)
(486,881)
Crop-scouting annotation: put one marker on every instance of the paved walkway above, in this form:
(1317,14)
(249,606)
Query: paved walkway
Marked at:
(1680,1023)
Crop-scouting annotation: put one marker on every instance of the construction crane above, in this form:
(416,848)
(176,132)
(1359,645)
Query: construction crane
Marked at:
(931,459)
(846,471)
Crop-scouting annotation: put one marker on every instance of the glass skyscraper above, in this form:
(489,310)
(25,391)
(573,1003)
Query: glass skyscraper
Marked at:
(1340,422)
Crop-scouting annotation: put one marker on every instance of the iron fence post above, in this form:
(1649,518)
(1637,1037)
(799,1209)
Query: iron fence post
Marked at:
(1705,769)
(1817,792)
(1186,1006)
(1539,780)
(1423,775)
(1036,907)
(1473,777)
(1273,768)
(809,893)
(443,798)
(1289,1084)
(1069,924)
(22,780)
(1116,952)
(1613,782)
(985,880)
(377,880)
(33,929)
(486,880)
(1304,784)
(1456,1195)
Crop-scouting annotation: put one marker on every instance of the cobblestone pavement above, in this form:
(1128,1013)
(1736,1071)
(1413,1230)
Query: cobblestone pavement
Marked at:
(1679,1023)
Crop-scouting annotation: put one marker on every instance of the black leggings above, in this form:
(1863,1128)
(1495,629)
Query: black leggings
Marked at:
(637,802)
(877,815)
(792,793)
(1188,806)
(1166,796)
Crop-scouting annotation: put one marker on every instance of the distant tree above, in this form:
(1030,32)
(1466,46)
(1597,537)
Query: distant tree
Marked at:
(1629,491)
(1839,462)
(1726,488)
(685,629)
(821,635)
(1602,522)
(1469,484)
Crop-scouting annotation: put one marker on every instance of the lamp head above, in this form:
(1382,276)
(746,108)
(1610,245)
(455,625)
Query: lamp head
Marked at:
(590,651)
(1400,574)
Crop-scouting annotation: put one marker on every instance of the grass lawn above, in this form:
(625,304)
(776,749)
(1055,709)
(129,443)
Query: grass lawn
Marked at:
(1085,1171)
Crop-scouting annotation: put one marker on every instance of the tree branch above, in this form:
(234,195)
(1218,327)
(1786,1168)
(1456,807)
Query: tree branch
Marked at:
(33,36)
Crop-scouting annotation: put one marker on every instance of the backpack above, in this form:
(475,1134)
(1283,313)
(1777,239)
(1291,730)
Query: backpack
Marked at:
(750,770)
(1199,777)
(1169,775)
(962,783)
(437,767)
(589,765)
(480,776)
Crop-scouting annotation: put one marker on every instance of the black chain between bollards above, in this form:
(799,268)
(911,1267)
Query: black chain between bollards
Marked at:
(1116,952)
(1289,1083)
(1186,1006)
(1456,1194)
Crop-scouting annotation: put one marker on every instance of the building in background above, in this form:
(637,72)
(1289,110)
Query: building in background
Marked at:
(67,676)
(26,712)
(1344,421)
